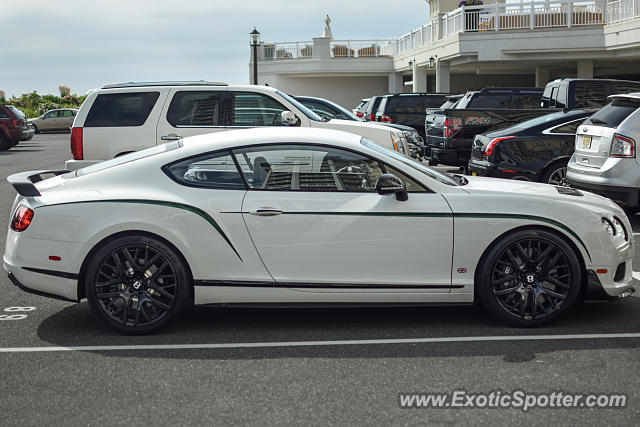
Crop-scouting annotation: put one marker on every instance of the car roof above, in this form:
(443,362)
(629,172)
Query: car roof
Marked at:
(632,95)
(287,135)
(163,83)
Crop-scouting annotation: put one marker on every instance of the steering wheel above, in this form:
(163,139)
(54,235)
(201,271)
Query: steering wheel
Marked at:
(350,169)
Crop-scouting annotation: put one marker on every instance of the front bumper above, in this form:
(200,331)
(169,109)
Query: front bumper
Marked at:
(448,156)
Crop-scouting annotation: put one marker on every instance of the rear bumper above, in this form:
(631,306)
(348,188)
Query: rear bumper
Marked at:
(27,134)
(627,196)
(77,164)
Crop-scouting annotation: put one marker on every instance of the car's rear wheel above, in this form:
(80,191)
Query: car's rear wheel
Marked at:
(137,284)
(4,144)
(556,174)
(530,278)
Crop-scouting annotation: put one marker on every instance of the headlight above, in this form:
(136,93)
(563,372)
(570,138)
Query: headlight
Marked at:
(398,140)
(620,228)
(609,226)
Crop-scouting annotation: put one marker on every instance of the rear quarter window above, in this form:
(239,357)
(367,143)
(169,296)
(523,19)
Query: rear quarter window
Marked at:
(121,109)
(613,114)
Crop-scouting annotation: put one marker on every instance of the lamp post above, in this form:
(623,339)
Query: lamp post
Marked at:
(432,62)
(255,42)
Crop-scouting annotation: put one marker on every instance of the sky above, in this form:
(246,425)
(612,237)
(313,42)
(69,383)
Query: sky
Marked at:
(84,44)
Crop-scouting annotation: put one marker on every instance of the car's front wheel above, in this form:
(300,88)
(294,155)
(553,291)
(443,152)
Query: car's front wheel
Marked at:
(530,278)
(137,284)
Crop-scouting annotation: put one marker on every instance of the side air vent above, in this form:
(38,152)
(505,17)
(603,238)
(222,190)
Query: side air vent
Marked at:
(568,191)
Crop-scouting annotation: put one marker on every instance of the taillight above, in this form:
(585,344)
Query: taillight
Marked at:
(15,123)
(76,144)
(493,143)
(359,114)
(371,118)
(452,125)
(622,146)
(21,219)
(385,118)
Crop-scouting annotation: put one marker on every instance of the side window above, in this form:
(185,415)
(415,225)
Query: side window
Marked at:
(51,115)
(121,109)
(255,109)
(307,168)
(590,95)
(408,104)
(194,108)
(213,170)
(321,109)
(66,113)
(494,101)
(3,115)
(434,101)
(560,96)
(624,88)
(412,185)
(567,128)
(529,102)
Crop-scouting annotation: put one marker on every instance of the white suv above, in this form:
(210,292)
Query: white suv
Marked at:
(606,161)
(121,118)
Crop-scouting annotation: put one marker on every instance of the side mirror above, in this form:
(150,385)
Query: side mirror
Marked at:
(288,118)
(391,184)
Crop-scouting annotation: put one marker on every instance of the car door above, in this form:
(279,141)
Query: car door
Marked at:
(65,119)
(49,121)
(191,111)
(316,220)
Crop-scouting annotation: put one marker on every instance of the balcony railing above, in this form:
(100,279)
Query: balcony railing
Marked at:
(531,15)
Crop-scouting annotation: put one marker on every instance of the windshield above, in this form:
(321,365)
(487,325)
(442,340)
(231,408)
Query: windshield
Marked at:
(307,112)
(170,146)
(431,173)
(344,111)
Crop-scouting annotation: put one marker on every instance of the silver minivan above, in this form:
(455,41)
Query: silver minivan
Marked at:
(605,160)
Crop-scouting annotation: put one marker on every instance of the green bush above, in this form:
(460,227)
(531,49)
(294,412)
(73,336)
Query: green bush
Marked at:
(34,105)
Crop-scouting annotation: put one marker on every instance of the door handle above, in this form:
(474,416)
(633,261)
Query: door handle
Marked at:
(170,137)
(265,212)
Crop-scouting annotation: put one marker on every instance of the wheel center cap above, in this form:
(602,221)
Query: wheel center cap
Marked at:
(137,285)
(530,278)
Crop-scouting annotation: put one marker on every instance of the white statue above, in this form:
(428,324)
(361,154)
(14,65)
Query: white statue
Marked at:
(327,28)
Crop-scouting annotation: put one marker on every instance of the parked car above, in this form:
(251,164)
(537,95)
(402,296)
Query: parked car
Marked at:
(13,127)
(55,120)
(450,132)
(121,118)
(371,107)
(584,93)
(290,216)
(325,108)
(408,109)
(535,150)
(605,159)
(359,110)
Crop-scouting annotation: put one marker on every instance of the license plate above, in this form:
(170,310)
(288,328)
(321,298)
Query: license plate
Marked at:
(586,141)
(474,173)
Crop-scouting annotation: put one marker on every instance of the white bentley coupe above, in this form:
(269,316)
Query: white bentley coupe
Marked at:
(306,216)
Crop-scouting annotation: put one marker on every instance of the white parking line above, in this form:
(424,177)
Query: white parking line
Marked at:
(316,343)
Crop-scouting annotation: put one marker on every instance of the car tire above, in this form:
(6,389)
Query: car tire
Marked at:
(4,144)
(529,278)
(555,174)
(35,128)
(137,284)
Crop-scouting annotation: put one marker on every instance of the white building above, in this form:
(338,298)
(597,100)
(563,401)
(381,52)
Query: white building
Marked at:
(465,48)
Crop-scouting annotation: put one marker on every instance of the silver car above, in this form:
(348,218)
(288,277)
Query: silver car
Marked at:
(605,160)
(59,119)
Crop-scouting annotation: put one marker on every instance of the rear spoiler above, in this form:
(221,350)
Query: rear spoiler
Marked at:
(24,182)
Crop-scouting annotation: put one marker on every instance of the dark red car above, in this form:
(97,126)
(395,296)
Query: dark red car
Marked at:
(13,127)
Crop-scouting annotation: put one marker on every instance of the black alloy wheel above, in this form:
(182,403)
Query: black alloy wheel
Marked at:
(137,284)
(530,278)
(556,175)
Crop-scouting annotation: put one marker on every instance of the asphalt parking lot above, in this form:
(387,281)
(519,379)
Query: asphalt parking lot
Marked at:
(339,366)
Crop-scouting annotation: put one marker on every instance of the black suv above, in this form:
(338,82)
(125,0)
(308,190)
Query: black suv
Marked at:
(584,93)
(408,109)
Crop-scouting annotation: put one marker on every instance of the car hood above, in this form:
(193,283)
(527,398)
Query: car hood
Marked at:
(484,185)
(352,125)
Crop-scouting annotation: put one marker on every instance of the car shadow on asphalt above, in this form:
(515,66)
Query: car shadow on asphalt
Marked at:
(75,326)
(15,151)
